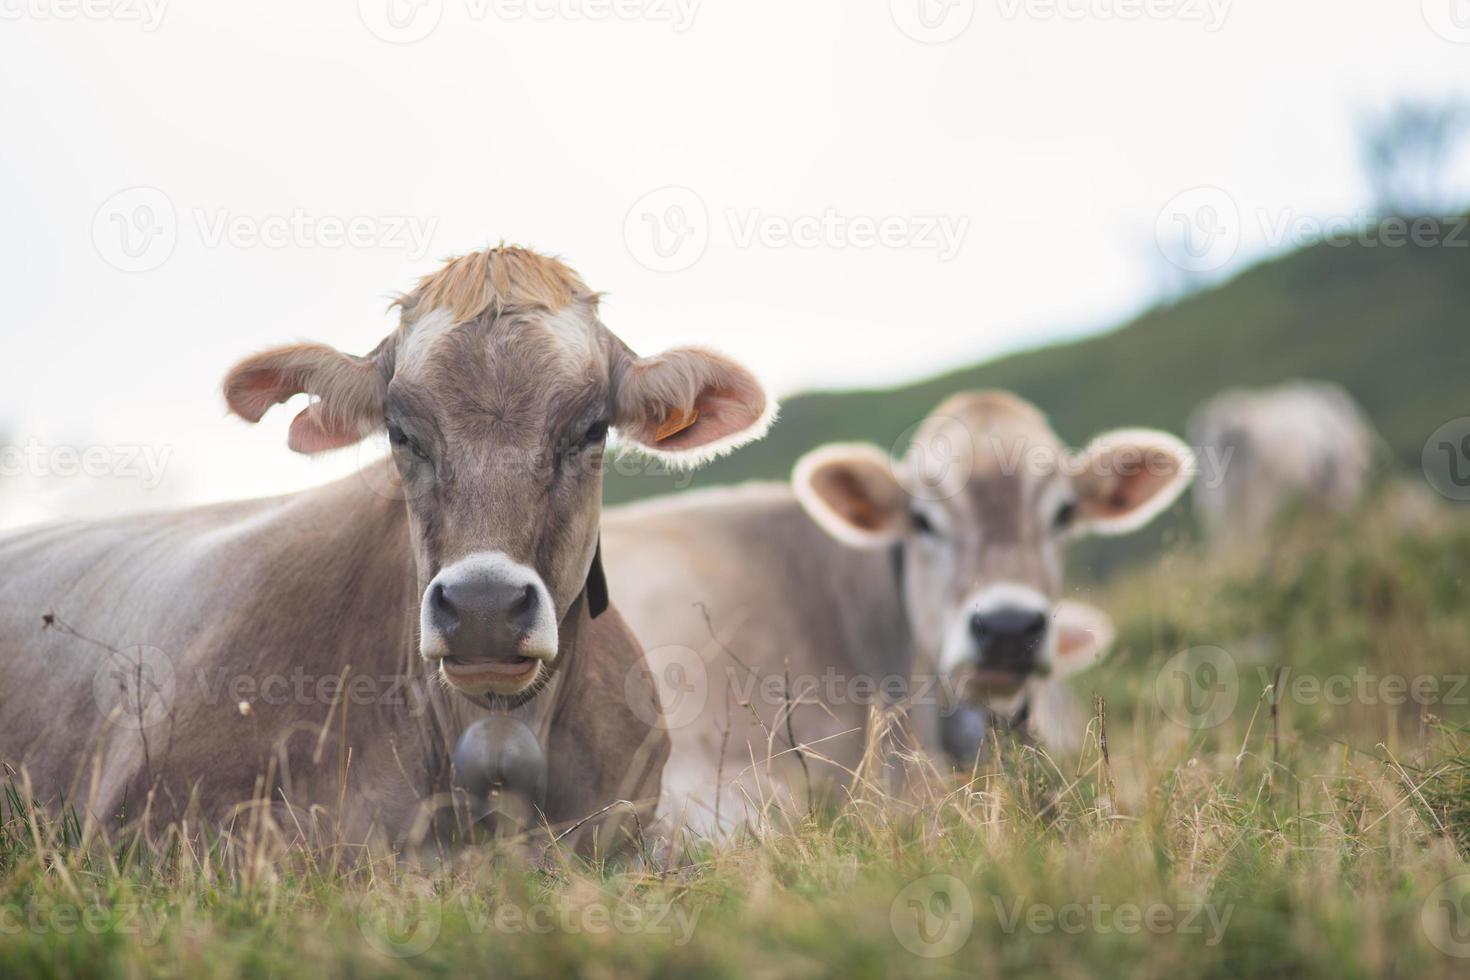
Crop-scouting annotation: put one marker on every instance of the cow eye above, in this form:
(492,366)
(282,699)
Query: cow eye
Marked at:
(596,433)
(1065,516)
(921,521)
(401,440)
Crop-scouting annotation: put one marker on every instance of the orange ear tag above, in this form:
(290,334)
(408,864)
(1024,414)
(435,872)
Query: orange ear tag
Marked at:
(676,422)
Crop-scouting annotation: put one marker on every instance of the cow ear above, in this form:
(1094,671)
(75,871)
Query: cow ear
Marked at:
(349,391)
(850,490)
(689,405)
(1128,477)
(1084,636)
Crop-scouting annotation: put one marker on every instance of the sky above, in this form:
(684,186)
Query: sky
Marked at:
(840,193)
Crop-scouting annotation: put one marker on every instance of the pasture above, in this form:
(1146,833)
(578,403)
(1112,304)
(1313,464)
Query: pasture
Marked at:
(1289,798)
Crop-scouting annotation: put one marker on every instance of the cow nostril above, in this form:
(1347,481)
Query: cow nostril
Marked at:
(1036,627)
(524,604)
(443,609)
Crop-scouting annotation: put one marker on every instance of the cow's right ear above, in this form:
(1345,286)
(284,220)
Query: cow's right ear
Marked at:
(850,490)
(350,393)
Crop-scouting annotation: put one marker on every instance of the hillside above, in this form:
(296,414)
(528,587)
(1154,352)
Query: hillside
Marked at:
(1389,324)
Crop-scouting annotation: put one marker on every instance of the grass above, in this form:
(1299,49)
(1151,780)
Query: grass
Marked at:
(1300,836)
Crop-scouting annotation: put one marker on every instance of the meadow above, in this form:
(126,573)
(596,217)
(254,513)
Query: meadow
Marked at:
(1276,782)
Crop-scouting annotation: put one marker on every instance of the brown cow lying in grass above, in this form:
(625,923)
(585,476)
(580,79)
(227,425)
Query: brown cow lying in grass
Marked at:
(375,619)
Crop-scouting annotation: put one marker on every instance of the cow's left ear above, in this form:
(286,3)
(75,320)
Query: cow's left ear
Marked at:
(1084,636)
(689,405)
(1128,477)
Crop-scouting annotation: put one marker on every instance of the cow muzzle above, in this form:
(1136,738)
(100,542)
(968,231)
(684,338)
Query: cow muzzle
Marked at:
(489,623)
(1001,642)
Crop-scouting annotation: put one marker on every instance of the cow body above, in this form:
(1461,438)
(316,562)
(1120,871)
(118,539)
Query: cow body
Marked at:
(732,592)
(1304,442)
(260,651)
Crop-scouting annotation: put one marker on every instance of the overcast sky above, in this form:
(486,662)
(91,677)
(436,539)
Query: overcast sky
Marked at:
(840,192)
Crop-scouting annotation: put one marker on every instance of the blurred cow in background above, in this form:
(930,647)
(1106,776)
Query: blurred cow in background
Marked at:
(778,616)
(1304,442)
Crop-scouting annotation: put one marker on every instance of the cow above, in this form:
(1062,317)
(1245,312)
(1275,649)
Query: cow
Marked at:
(320,654)
(1303,443)
(778,617)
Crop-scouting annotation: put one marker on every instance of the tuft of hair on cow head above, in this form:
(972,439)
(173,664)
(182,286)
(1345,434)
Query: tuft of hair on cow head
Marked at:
(689,405)
(348,392)
(1127,477)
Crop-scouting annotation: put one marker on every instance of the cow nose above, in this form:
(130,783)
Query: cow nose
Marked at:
(1008,638)
(485,614)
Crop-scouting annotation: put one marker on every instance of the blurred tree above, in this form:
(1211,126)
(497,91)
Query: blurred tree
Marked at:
(1408,153)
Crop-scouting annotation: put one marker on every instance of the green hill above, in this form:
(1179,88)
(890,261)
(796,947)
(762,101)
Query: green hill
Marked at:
(1391,324)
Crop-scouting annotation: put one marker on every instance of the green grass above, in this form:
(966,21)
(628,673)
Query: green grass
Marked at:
(1301,844)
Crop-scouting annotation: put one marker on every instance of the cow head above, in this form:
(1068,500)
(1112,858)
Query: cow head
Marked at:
(497,392)
(981,509)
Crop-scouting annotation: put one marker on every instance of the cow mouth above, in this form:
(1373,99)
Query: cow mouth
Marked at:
(490,676)
(981,683)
